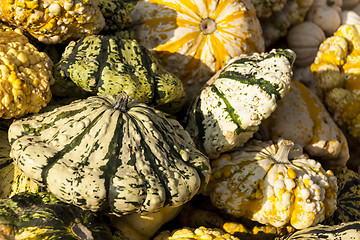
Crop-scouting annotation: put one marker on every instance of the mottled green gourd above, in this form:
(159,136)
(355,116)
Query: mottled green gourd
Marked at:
(117,18)
(41,216)
(110,153)
(110,65)
(348,197)
(230,108)
(350,230)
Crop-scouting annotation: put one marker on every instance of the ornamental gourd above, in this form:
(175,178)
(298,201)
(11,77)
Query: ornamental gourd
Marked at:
(277,25)
(110,153)
(337,69)
(349,230)
(105,65)
(302,118)
(230,108)
(54,21)
(348,197)
(304,39)
(41,216)
(117,18)
(195,234)
(26,76)
(195,39)
(273,183)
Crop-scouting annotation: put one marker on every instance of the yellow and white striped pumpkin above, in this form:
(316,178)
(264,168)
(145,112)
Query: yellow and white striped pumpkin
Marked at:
(196,38)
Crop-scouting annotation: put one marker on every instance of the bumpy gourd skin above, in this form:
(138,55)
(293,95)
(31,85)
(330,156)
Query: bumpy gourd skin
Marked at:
(337,72)
(273,184)
(54,21)
(195,234)
(25,76)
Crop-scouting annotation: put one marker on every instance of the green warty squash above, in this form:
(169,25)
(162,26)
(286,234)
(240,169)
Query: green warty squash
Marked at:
(110,153)
(230,108)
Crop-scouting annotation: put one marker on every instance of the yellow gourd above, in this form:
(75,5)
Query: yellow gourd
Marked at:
(302,118)
(54,21)
(337,72)
(274,184)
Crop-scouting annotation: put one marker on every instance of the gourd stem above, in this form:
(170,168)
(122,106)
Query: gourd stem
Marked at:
(121,103)
(284,148)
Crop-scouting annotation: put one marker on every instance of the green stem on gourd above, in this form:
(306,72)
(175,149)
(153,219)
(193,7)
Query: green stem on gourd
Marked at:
(284,148)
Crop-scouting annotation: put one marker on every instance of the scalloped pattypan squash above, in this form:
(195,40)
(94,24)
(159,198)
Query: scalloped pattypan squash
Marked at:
(230,108)
(302,118)
(111,153)
(337,73)
(195,39)
(54,21)
(25,76)
(274,184)
(105,65)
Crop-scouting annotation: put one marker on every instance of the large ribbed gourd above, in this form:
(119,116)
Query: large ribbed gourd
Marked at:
(110,65)
(230,108)
(110,153)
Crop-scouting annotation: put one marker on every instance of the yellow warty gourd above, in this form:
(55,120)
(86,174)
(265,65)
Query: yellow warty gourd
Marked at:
(337,72)
(200,233)
(274,184)
(25,76)
(54,21)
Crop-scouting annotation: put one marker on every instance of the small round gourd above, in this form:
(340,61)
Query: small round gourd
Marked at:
(304,39)
(111,153)
(273,183)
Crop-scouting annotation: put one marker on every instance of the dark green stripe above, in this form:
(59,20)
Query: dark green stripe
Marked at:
(250,79)
(229,109)
(6,163)
(68,147)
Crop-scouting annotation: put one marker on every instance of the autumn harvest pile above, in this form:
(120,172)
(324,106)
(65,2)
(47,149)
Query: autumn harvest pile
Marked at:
(179,119)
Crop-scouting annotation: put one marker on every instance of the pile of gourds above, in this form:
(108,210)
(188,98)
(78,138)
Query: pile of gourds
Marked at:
(179,119)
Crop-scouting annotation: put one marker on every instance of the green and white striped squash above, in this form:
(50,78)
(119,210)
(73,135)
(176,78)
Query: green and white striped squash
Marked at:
(348,197)
(12,180)
(344,231)
(111,153)
(108,65)
(230,108)
(41,216)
